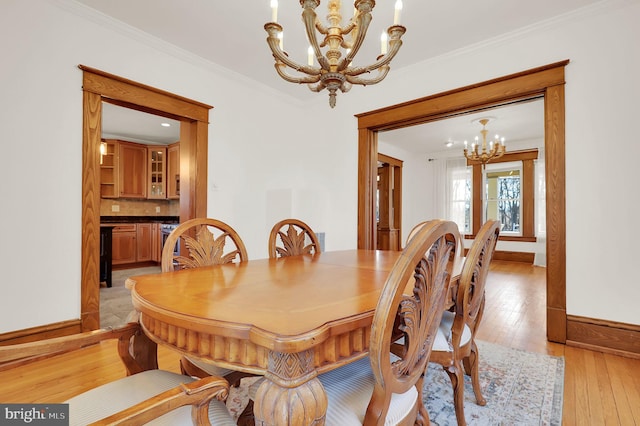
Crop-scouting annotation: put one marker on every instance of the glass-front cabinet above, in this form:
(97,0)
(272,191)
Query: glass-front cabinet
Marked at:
(157,172)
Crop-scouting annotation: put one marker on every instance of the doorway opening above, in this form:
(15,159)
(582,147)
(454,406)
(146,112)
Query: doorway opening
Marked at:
(98,87)
(547,82)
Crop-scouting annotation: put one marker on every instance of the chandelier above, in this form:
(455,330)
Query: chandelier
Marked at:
(335,70)
(495,150)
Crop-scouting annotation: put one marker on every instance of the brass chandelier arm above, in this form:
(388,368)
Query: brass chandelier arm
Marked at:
(280,56)
(382,73)
(364,19)
(394,47)
(281,69)
(310,22)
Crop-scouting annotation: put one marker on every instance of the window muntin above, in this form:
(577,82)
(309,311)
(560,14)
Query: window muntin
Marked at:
(503,196)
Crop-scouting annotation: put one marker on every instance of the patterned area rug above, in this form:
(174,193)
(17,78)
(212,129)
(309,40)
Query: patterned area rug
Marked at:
(521,388)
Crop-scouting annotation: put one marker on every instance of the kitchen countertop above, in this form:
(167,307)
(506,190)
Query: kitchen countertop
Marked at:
(114,220)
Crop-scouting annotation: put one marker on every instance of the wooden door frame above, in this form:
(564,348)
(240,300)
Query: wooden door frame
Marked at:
(396,195)
(99,86)
(547,81)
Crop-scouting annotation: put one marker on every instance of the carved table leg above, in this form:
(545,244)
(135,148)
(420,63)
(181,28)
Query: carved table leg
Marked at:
(291,394)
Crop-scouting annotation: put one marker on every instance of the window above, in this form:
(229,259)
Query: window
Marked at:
(507,193)
(503,196)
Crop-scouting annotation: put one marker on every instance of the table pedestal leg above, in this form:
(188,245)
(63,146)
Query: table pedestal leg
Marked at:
(291,394)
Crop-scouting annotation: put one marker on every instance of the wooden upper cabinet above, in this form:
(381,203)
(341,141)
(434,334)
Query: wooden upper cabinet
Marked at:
(173,171)
(157,171)
(133,170)
(109,169)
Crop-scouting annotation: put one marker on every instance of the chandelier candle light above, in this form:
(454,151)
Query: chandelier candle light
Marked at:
(496,147)
(335,70)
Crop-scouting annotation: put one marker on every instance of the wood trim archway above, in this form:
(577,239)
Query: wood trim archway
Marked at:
(547,81)
(97,87)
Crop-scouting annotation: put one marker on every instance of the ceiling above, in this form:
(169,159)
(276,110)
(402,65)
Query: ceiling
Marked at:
(137,126)
(231,35)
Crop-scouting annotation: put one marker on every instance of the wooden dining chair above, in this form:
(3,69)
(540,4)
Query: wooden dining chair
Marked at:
(146,395)
(297,238)
(455,347)
(459,251)
(206,242)
(386,388)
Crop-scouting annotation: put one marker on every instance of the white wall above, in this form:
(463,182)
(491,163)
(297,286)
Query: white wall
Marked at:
(254,165)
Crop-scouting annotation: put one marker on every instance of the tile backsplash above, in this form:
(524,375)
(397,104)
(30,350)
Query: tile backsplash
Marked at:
(129,207)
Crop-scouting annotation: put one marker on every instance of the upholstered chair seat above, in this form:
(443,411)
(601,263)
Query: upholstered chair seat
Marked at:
(443,338)
(349,391)
(146,395)
(113,397)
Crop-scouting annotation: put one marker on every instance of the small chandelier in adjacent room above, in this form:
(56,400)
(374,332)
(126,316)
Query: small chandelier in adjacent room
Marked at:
(335,70)
(496,148)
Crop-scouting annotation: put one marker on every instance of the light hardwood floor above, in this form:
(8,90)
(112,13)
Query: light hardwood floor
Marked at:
(599,388)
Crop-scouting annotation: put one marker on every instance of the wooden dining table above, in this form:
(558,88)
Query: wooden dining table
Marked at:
(288,319)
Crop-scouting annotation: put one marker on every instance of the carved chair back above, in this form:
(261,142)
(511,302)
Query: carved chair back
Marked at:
(415,317)
(291,237)
(470,297)
(207,243)
(455,348)
(458,251)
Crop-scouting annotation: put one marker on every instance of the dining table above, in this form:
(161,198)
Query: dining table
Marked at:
(289,319)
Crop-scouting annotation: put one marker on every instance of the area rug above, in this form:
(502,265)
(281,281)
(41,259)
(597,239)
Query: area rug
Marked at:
(521,388)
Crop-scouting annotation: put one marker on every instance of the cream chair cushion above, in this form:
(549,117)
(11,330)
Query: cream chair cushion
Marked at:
(349,390)
(441,343)
(113,397)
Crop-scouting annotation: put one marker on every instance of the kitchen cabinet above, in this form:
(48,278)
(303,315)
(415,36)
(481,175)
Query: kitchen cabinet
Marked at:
(133,170)
(143,242)
(173,171)
(157,164)
(136,242)
(109,169)
(124,249)
(132,163)
(156,242)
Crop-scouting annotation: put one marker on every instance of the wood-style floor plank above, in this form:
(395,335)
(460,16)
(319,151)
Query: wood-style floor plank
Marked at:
(598,388)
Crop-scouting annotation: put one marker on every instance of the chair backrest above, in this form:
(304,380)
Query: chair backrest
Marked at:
(203,247)
(425,262)
(459,250)
(469,299)
(297,238)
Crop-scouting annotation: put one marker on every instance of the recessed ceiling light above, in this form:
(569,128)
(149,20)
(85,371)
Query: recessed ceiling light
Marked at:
(165,124)
(448,144)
